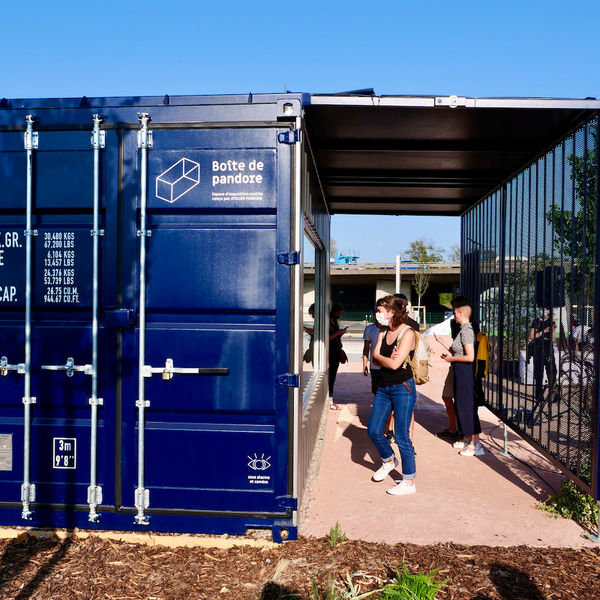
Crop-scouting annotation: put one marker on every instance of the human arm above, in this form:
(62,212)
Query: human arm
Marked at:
(338,333)
(400,352)
(365,357)
(468,357)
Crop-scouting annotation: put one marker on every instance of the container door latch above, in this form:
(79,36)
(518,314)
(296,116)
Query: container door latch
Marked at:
(169,370)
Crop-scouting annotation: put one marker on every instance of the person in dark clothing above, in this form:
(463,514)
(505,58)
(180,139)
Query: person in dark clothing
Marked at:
(452,432)
(461,357)
(335,348)
(416,327)
(396,392)
(541,337)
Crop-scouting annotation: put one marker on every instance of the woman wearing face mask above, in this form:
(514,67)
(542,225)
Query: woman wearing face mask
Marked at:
(396,392)
(541,336)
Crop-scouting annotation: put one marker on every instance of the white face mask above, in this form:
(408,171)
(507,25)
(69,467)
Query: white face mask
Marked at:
(382,320)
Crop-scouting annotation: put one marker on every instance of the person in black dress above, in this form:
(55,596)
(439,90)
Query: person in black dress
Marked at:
(541,337)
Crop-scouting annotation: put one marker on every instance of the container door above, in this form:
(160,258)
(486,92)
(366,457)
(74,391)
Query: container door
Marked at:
(216,298)
(61,315)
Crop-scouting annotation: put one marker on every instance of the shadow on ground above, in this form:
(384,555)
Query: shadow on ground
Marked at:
(512,584)
(20,553)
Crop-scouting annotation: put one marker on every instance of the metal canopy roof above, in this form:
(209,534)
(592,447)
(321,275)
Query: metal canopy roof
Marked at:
(428,155)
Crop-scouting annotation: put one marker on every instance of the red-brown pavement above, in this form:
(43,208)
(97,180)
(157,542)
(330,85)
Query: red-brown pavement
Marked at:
(488,500)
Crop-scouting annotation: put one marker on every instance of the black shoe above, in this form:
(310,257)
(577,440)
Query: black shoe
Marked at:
(449,435)
(390,436)
(414,451)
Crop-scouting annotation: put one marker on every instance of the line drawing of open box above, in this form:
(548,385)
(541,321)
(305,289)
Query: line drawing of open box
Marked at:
(178,180)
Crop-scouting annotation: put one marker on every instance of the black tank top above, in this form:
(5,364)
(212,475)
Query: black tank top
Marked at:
(393,376)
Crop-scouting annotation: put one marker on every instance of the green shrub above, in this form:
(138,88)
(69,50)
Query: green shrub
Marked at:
(336,535)
(571,502)
(408,586)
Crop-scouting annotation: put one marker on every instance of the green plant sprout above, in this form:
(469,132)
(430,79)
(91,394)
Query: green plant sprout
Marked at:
(336,535)
(409,586)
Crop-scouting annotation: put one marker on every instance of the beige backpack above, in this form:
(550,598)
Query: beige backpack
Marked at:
(420,360)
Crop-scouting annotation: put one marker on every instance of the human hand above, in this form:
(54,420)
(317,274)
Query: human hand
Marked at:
(366,371)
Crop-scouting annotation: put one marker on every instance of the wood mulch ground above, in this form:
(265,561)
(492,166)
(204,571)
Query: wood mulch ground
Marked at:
(98,568)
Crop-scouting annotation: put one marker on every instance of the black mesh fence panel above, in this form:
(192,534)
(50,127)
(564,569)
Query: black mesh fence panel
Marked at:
(530,267)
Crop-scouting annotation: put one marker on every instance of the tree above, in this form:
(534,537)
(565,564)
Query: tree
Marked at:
(454,253)
(332,247)
(575,230)
(423,253)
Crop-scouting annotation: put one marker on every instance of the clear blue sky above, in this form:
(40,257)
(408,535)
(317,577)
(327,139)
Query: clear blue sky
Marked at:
(469,48)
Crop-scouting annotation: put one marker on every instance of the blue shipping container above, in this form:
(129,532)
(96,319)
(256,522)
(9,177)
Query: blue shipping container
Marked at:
(145,315)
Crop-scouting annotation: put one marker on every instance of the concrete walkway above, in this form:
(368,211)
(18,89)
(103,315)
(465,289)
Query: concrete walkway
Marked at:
(487,500)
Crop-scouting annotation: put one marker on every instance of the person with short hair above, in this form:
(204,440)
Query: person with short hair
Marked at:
(461,356)
(452,432)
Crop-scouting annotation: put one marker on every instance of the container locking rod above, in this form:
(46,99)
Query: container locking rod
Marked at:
(95,491)
(27,488)
(142,495)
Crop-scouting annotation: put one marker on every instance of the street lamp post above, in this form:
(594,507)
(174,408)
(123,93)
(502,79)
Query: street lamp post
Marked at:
(398,273)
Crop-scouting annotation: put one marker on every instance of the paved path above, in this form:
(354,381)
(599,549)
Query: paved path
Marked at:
(487,500)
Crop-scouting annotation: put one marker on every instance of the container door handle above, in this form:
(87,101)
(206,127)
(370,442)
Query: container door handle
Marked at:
(169,370)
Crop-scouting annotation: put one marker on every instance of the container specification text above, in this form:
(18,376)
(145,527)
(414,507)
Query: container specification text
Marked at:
(10,240)
(59,268)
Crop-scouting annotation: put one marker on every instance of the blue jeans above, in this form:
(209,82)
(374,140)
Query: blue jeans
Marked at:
(402,402)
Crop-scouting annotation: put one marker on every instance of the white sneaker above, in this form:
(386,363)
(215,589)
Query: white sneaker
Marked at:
(460,444)
(384,469)
(403,488)
(473,450)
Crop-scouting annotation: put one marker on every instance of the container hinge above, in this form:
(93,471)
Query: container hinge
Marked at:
(144,232)
(31,140)
(289,380)
(96,401)
(142,502)
(30,400)
(292,136)
(98,137)
(96,232)
(142,403)
(287,502)
(28,492)
(30,232)
(144,136)
(288,258)
(94,495)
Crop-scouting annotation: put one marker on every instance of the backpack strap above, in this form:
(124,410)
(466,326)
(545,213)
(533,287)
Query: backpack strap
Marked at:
(399,338)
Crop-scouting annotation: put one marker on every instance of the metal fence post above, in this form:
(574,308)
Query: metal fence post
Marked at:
(501,300)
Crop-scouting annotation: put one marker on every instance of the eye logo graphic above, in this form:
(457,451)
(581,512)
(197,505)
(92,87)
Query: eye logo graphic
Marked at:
(259,464)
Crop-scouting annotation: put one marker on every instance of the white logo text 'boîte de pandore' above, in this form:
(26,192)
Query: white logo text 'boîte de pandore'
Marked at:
(178,180)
